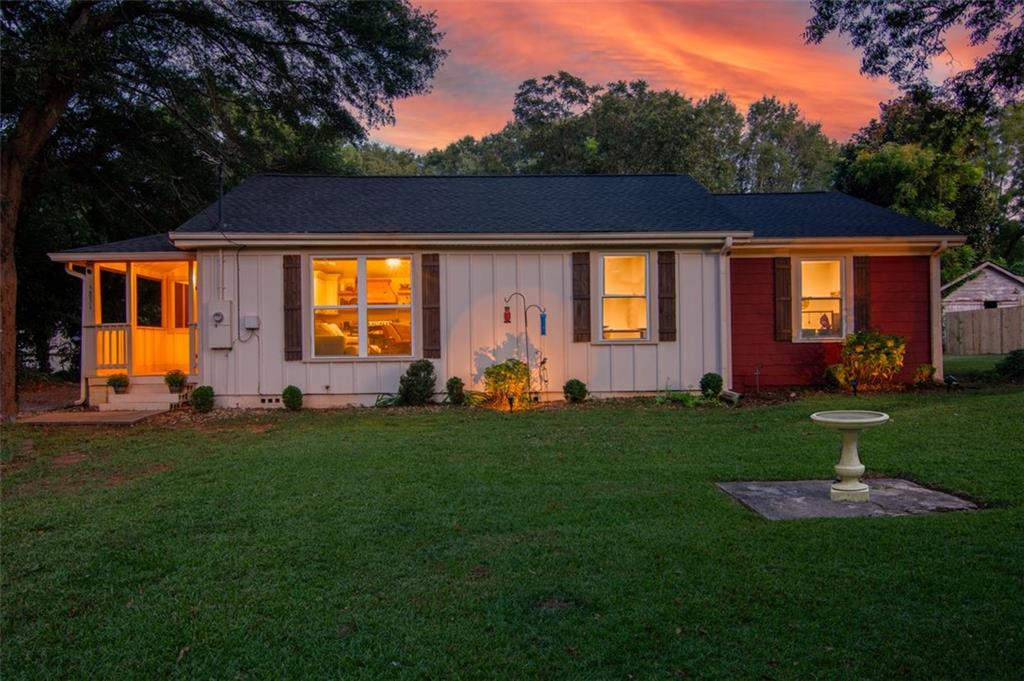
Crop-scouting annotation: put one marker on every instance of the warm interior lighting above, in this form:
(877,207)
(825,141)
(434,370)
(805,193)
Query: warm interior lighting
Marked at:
(821,299)
(392,263)
(624,298)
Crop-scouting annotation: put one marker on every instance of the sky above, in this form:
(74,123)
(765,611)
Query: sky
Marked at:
(747,49)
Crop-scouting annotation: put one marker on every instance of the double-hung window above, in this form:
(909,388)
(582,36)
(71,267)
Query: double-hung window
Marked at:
(362,306)
(821,292)
(624,297)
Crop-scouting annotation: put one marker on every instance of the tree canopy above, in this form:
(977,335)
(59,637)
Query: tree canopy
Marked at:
(256,83)
(901,40)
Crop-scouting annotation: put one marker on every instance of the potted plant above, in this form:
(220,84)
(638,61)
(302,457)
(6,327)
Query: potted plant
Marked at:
(119,382)
(175,380)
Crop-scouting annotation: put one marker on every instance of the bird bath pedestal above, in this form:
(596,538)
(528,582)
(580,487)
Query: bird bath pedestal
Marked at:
(849,423)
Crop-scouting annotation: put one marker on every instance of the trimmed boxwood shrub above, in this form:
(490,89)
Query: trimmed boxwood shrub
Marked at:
(711,385)
(292,398)
(456,391)
(416,386)
(202,399)
(510,378)
(575,390)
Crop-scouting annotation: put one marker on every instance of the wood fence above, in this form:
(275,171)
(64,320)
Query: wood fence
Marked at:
(983,332)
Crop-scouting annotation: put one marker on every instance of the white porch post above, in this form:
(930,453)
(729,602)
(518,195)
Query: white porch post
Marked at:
(89,321)
(129,301)
(192,321)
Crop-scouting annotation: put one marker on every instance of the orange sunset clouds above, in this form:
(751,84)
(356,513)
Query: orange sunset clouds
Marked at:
(748,49)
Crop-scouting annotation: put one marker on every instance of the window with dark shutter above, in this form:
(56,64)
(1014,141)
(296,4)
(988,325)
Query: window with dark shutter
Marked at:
(292,308)
(581,297)
(431,272)
(861,292)
(783,300)
(666,295)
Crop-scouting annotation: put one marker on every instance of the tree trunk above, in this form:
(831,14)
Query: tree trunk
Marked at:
(34,127)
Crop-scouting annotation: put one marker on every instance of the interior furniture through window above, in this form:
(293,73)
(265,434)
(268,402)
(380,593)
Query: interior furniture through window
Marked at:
(820,283)
(624,297)
(362,306)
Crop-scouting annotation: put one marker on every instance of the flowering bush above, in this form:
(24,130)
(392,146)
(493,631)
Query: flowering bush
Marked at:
(872,358)
(924,375)
(510,378)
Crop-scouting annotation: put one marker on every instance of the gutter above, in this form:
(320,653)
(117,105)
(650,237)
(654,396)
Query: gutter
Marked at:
(292,240)
(83,382)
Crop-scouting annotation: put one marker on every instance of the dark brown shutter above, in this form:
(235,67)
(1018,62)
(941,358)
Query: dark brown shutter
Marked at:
(431,269)
(783,300)
(581,297)
(666,295)
(292,308)
(861,292)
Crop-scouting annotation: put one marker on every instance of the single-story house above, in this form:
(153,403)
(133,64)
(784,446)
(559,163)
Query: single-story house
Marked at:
(987,286)
(335,284)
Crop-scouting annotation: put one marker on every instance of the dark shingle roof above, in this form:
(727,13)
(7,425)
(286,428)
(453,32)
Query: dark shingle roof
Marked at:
(154,243)
(822,214)
(470,204)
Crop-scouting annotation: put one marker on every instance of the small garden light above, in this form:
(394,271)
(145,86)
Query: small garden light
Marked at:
(853,384)
(951,382)
(511,402)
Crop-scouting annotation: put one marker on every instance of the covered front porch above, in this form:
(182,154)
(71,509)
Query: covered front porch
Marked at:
(138,317)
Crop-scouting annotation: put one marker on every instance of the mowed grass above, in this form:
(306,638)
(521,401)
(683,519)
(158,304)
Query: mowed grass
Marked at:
(968,365)
(561,543)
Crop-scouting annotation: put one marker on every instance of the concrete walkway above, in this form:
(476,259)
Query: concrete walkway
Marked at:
(88,418)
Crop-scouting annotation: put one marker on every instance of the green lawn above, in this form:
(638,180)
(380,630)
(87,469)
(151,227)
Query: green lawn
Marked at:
(967,365)
(562,543)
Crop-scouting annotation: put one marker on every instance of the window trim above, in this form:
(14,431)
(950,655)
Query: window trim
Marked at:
(845,299)
(362,307)
(649,334)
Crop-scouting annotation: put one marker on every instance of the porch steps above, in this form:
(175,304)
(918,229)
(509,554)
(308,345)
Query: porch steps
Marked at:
(143,397)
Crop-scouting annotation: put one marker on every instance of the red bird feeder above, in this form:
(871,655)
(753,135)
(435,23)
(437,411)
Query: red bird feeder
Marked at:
(508,314)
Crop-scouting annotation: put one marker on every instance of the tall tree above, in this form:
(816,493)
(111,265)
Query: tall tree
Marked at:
(902,39)
(783,152)
(341,64)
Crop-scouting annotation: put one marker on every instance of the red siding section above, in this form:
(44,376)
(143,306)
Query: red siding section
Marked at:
(899,304)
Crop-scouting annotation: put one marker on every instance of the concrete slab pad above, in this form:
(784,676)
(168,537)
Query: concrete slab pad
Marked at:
(89,418)
(796,499)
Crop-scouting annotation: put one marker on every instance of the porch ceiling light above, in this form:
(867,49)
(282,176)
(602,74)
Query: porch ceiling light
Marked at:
(392,263)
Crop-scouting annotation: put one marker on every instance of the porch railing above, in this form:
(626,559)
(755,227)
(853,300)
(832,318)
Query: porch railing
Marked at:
(112,346)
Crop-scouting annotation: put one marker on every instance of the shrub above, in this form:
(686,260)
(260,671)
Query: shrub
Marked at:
(835,376)
(456,391)
(711,386)
(175,379)
(292,398)
(1011,366)
(118,381)
(924,375)
(510,378)
(416,387)
(872,358)
(202,399)
(575,390)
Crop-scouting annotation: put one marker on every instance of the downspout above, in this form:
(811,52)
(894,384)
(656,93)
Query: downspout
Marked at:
(82,380)
(725,310)
(935,306)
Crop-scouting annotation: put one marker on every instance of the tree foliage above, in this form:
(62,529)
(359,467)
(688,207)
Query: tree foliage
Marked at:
(90,86)
(561,124)
(901,40)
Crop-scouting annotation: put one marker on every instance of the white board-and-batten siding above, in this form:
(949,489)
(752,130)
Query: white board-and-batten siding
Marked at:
(474,285)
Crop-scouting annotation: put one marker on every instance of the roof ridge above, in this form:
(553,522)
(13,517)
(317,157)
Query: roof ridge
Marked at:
(789,193)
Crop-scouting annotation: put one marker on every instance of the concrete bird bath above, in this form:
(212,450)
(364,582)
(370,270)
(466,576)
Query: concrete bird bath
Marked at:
(849,423)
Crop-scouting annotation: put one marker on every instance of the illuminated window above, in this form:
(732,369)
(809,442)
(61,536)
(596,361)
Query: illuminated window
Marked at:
(624,297)
(362,307)
(821,299)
